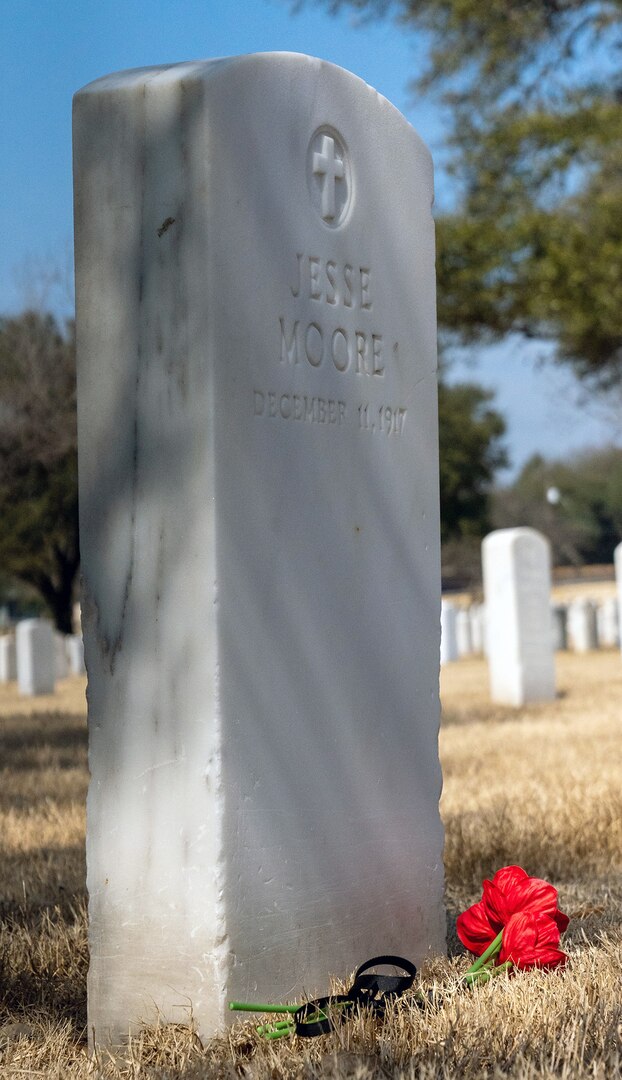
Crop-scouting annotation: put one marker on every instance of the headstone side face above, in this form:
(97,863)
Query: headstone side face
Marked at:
(36,657)
(255,297)
(517,586)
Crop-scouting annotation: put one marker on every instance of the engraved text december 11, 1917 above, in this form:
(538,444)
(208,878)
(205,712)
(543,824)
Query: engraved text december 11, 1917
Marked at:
(362,351)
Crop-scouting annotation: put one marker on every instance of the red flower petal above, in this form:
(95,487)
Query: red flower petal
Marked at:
(509,877)
(530,940)
(561,920)
(512,890)
(475,930)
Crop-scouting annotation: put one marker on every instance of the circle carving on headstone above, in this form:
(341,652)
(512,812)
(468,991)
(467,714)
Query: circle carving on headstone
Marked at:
(329,176)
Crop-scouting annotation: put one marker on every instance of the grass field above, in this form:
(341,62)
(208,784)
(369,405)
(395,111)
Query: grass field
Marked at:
(541,786)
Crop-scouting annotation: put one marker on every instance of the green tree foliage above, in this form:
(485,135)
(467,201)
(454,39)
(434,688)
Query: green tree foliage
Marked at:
(38,459)
(583,521)
(535,243)
(470,433)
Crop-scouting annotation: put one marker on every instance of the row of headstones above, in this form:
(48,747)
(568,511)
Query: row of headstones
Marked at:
(521,632)
(581,626)
(37,655)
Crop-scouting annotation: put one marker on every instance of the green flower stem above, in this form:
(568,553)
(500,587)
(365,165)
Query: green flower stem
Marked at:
(253,1006)
(486,973)
(493,949)
(500,968)
(279,1030)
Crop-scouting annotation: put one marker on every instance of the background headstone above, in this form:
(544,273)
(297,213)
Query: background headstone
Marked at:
(607,624)
(559,626)
(582,627)
(75,654)
(617,559)
(62,662)
(8,658)
(463,633)
(259,534)
(449,639)
(477,618)
(517,588)
(36,657)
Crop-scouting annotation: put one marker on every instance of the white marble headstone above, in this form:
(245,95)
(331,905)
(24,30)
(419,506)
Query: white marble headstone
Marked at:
(62,660)
(559,627)
(582,625)
(449,639)
(75,654)
(463,633)
(477,617)
(36,657)
(607,623)
(8,658)
(617,559)
(517,587)
(259,534)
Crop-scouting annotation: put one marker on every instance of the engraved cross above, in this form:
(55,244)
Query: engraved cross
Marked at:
(328,165)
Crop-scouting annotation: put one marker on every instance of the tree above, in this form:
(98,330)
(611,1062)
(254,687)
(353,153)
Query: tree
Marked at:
(38,459)
(535,244)
(470,433)
(582,515)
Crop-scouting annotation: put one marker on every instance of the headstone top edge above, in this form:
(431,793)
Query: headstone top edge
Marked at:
(130,78)
(508,536)
(134,78)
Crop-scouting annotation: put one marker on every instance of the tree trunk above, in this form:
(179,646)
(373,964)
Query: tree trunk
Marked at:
(58,595)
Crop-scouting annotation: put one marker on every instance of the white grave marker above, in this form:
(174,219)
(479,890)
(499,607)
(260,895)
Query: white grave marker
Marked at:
(607,623)
(617,559)
(582,625)
(259,534)
(75,653)
(477,616)
(517,586)
(463,633)
(559,627)
(36,657)
(449,639)
(8,658)
(62,660)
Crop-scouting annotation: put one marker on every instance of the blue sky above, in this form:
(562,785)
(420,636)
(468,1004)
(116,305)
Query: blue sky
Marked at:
(50,48)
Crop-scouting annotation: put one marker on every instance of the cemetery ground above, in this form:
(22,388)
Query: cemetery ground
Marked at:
(539,786)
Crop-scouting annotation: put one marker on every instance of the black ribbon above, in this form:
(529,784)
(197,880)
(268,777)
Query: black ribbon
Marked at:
(370,989)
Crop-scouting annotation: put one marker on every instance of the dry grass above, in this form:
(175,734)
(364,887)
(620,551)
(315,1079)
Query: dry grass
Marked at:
(540,787)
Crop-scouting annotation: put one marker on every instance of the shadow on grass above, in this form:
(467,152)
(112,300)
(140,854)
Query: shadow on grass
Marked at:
(48,877)
(22,737)
(43,941)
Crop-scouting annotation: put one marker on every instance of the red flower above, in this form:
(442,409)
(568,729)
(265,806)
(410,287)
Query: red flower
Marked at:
(530,940)
(512,891)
